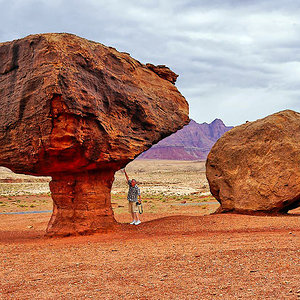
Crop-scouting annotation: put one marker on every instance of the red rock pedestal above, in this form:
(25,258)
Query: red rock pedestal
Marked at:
(81,203)
(70,106)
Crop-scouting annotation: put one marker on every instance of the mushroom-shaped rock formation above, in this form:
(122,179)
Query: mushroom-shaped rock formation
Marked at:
(79,111)
(254,168)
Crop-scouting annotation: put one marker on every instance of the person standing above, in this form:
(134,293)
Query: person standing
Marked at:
(133,197)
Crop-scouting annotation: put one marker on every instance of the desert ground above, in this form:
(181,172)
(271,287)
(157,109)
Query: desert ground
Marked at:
(180,251)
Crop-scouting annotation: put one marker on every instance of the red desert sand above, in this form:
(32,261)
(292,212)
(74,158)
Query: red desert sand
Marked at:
(224,256)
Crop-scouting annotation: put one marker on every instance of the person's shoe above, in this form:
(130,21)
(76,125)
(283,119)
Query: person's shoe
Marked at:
(137,222)
(132,223)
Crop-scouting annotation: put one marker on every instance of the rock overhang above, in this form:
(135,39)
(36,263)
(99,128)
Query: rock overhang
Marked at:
(79,111)
(79,96)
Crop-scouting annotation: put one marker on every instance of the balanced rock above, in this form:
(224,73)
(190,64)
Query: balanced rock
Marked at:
(79,111)
(254,168)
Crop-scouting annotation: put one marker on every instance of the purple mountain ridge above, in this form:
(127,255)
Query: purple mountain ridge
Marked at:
(192,142)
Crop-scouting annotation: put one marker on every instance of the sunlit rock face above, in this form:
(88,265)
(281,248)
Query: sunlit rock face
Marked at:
(254,168)
(79,111)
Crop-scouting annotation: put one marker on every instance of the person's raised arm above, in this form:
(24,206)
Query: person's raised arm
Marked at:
(127,178)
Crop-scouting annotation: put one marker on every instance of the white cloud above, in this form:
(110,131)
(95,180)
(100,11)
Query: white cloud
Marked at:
(237,60)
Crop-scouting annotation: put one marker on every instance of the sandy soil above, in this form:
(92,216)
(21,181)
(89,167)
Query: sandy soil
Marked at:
(155,177)
(175,257)
(178,252)
(167,177)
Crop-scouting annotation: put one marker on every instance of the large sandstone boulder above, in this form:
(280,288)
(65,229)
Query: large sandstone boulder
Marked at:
(79,111)
(254,167)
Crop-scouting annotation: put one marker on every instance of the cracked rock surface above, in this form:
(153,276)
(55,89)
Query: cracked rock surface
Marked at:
(79,111)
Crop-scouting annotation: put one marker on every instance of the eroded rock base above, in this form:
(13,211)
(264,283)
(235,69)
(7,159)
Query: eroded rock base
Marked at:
(81,203)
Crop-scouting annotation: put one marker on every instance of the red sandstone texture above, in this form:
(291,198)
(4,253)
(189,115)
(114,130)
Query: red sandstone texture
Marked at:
(255,167)
(79,111)
(163,72)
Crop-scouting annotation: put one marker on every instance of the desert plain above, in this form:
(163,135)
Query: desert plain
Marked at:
(182,250)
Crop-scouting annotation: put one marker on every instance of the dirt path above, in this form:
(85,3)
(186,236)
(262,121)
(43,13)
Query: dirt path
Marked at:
(172,257)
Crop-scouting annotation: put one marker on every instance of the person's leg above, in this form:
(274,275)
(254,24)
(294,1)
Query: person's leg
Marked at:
(131,212)
(136,216)
(133,216)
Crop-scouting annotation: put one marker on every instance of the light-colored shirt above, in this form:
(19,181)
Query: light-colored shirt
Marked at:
(133,192)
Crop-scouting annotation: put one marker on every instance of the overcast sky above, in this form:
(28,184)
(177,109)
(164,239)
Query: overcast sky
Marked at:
(237,60)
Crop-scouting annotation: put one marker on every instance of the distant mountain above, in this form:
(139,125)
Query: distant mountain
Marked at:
(192,142)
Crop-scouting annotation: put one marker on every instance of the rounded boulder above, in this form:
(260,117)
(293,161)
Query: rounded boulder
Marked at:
(254,168)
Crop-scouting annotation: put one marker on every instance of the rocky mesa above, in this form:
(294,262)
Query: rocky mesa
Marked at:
(79,111)
(192,142)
